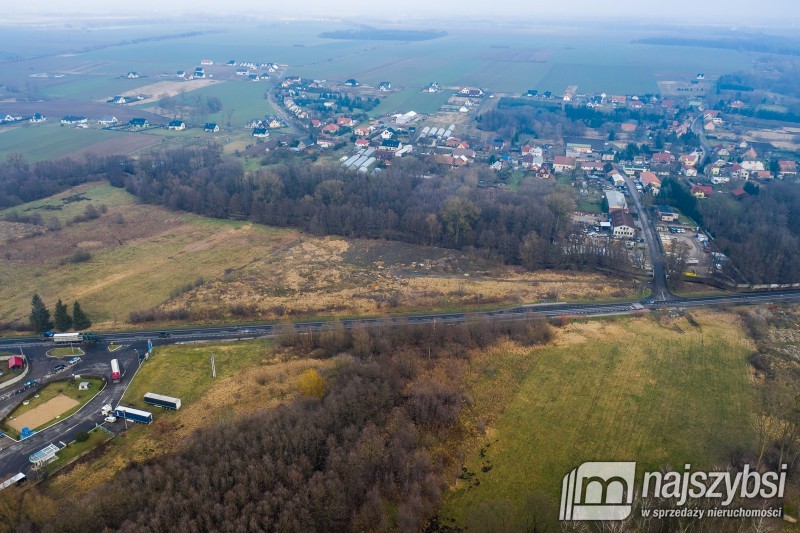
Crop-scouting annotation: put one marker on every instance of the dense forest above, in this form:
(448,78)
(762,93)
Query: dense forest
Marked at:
(372,448)
(532,226)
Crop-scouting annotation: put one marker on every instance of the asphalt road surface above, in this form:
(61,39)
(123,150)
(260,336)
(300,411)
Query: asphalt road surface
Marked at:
(96,361)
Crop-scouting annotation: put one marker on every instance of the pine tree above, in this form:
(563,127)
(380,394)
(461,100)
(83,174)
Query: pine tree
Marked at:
(40,316)
(61,316)
(79,318)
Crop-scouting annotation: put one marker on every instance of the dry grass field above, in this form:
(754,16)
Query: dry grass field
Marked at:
(142,257)
(155,91)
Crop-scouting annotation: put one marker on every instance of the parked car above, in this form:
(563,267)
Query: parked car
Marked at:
(59,368)
(74,361)
(164,334)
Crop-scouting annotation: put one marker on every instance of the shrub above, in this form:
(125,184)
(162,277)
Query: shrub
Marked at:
(80,256)
(82,436)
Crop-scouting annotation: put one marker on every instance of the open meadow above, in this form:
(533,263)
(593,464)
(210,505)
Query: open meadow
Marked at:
(653,389)
(143,257)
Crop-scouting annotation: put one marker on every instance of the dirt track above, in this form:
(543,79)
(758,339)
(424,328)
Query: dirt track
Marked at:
(44,413)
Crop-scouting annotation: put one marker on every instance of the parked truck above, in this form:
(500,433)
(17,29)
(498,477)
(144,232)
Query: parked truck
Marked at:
(159,400)
(67,337)
(116,375)
(135,415)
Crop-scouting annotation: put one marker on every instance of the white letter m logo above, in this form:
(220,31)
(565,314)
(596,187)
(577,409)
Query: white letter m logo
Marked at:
(598,491)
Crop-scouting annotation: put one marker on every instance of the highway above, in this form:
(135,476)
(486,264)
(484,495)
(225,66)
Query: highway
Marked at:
(14,455)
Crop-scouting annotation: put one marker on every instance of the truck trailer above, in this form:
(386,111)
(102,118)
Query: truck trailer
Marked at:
(116,375)
(135,415)
(159,400)
(67,337)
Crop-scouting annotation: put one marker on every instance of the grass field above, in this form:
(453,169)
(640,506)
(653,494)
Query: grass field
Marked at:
(96,88)
(66,352)
(655,390)
(246,99)
(411,99)
(142,256)
(74,449)
(38,142)
(48,393)
(63,207)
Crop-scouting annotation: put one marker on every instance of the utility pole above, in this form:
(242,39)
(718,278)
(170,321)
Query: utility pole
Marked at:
(213,367)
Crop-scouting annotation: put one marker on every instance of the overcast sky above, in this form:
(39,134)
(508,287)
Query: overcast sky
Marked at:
(694,12)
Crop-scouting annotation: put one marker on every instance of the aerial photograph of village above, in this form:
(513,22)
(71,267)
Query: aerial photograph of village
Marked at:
(361,267)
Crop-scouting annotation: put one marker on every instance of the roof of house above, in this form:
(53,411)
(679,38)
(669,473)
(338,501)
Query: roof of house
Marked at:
(564,160)
(648,178)
(705,189)
(622,218)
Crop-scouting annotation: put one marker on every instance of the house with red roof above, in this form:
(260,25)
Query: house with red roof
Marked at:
(701,191)
(787,168)
(330,129)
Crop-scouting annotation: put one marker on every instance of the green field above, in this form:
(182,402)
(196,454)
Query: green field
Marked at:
(96,193)
(246,99)
(75,449)
(185,371)
(37,142)
(96,88)
(411,99)
(618,390)
(66,352)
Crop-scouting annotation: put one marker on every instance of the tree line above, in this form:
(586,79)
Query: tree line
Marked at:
(62,321)
(404,203)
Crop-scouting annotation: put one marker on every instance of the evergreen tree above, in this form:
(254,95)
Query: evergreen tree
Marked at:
(40,315)
(61,316)
(79,318)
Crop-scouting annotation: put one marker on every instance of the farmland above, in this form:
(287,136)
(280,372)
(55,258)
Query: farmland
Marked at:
(40,142)
(655,389)
(411,99)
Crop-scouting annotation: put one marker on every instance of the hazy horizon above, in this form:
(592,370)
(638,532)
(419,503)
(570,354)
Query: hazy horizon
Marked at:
(777,13)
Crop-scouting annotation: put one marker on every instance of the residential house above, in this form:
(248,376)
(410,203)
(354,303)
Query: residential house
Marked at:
(592,166)
(181,74)
(750,155)
(362,143)
(787,168)
(701,191)
(666,213)
(689,171)
(628,127)
(107,120)
(352,82)
(330,129)
(37,117)
(622,225)
(433,87)
(662,159)
(738,172)
(563,163)
(388,133)
(199,72)
(260,133)
(274,123)
(211,127)
(132,75)
(323,142)
(650,182)
(70,119)
(176,125)
(619,100)
(390,145)
(739,194)
(254,77)
(206,62)
(384,86)
(139,123)
(689,159)
(242,72)
(362,131)
(345,122)
(119,100)
(315,123)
